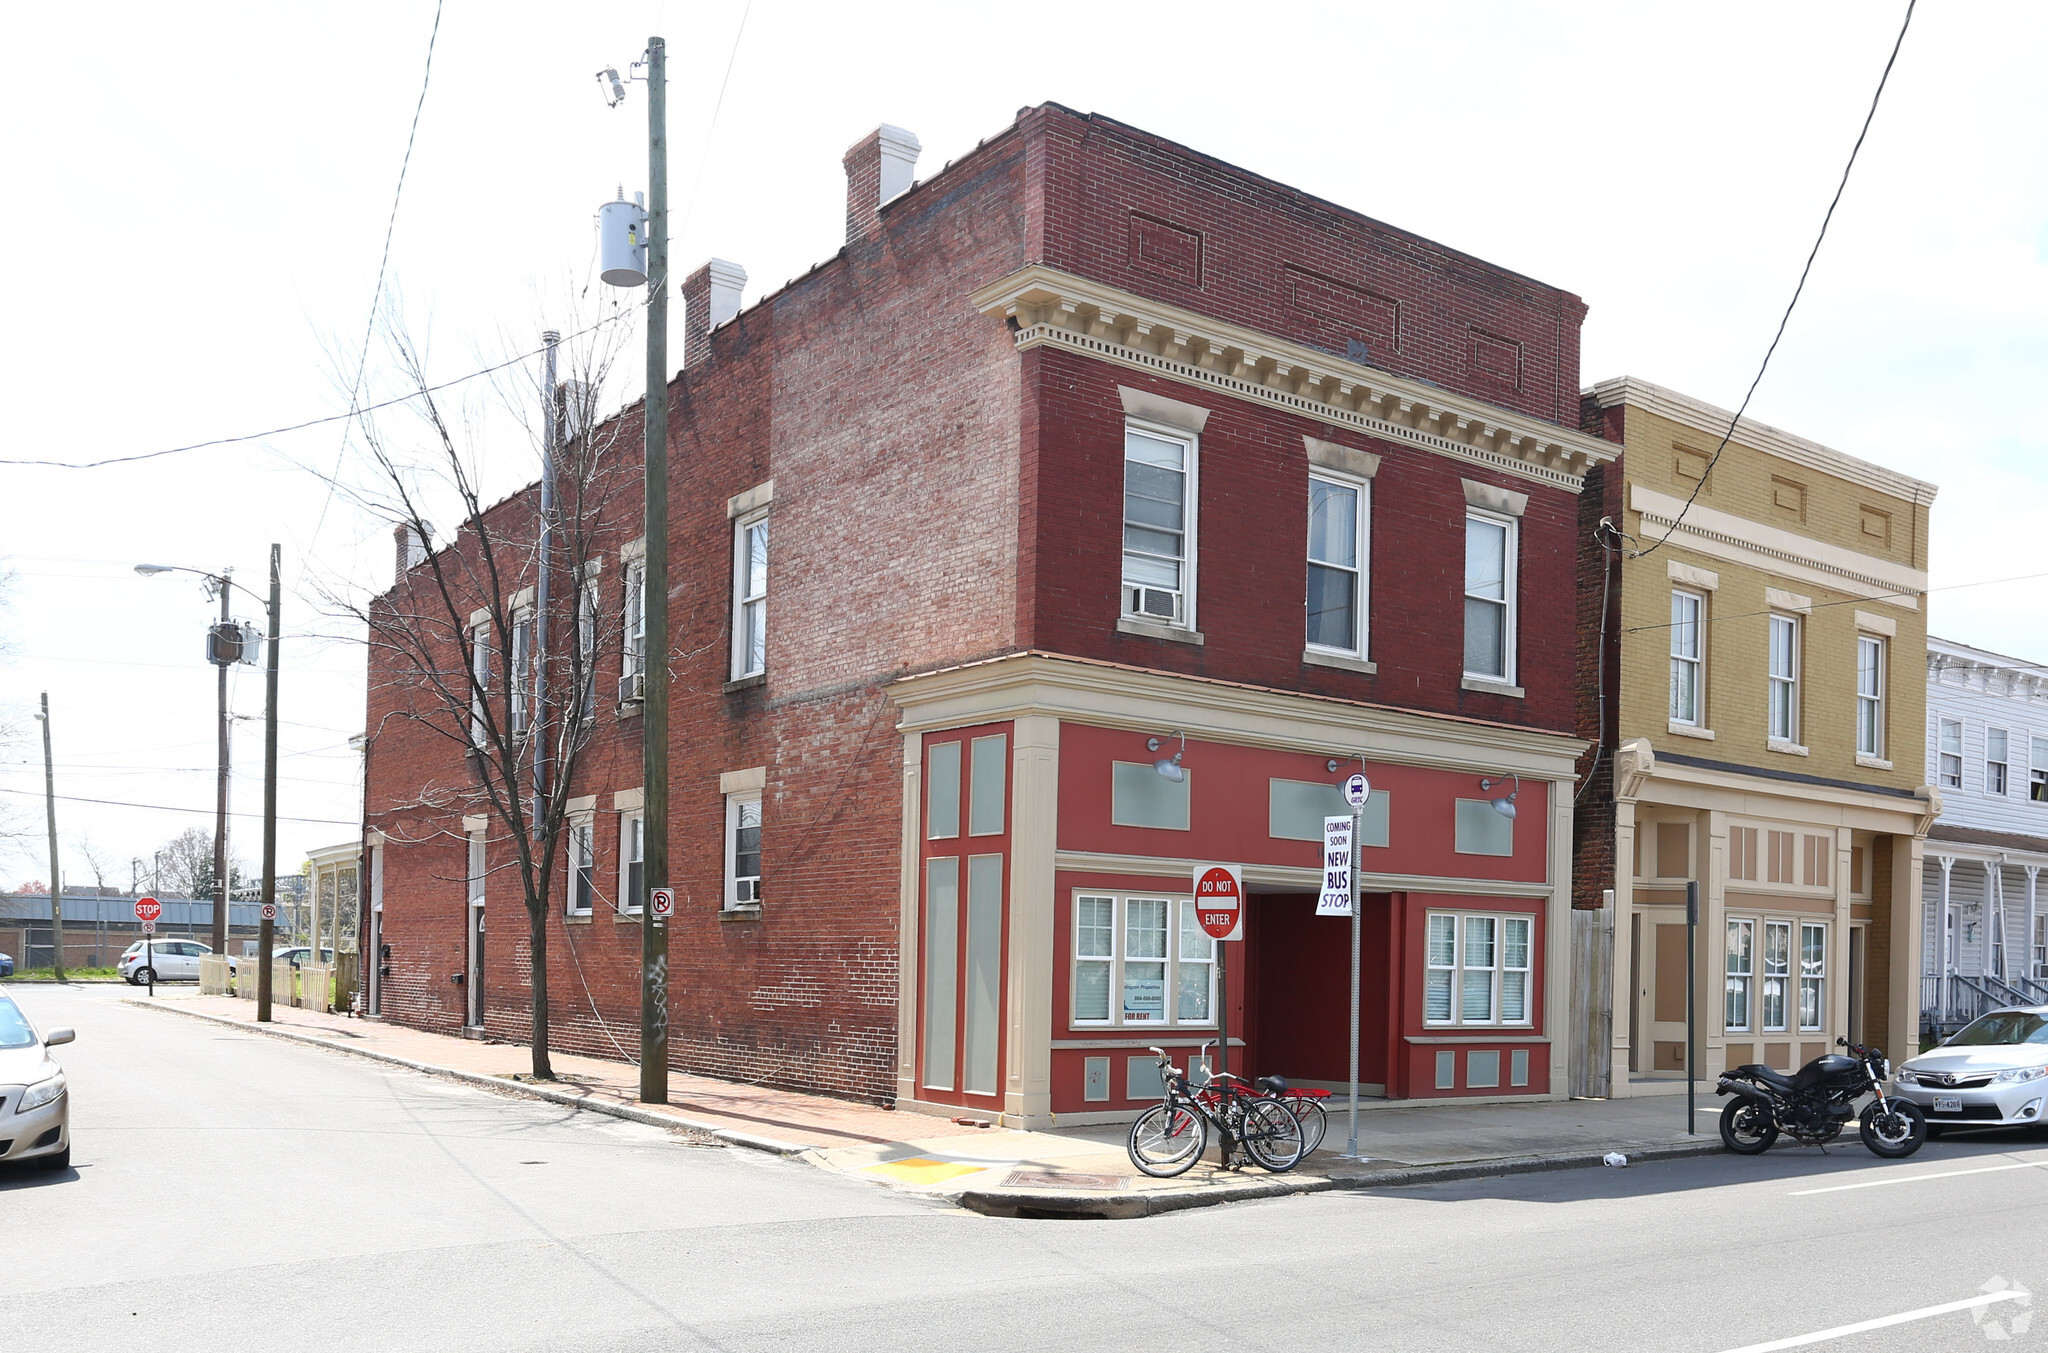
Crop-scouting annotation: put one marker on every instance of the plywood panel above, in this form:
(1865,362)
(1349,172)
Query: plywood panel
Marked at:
(1670,994)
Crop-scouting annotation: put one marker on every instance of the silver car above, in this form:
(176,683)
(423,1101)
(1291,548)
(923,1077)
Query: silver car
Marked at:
(1992,1073)
(35,1111)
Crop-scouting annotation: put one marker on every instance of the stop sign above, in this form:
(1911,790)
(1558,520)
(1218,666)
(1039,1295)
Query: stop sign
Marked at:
(148,909)
(1219,900)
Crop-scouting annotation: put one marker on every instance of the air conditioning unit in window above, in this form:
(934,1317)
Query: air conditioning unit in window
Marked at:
(629,688)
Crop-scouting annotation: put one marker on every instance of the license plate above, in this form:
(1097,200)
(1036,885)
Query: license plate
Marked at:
(1948,1104)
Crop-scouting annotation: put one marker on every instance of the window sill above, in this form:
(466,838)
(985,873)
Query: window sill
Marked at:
(1872,762)
(629,709)
(746,683)
(576,918)
(746,913)
(1488,686)
(1686,730)
(1788,748)
(1156,629)
(627,917)
(1342,662)
(1476,1033)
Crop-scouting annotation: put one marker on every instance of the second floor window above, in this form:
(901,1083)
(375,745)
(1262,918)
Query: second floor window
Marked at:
(2037,777)
(1157,471)
(743,850)
(480,680)
(1489,597)
(521,659)
(1336,565)
(750,597)
(1994,760)
(1950,750)
(1686,613)
(1784,709)
(1869,696)
(633,623)
(586,648)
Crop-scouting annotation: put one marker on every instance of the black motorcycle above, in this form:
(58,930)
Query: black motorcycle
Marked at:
(1815,1104)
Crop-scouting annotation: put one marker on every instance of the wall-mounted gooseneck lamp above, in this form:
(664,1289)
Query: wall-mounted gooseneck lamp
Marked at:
(1505,805)
(1169,766)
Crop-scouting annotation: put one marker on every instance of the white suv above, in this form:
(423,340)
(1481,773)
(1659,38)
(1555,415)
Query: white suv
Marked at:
(174,960)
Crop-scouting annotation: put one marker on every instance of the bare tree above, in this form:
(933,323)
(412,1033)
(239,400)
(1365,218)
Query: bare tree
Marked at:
(487,641)
(184,863)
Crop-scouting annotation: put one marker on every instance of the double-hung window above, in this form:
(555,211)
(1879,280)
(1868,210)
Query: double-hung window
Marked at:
(1777,972)
(1687,610)
(1490,597)
(480,680)
(1476,969)
(1141,961)
(1741,967)
(1336,565)
(742,850)
(1813,972)
(1784,676)
(633,627)
(586,648)
(1995,741)
(521,659)
(582,866)
(1158,526)
(2037,773)
(1869,696)
(750,596)
(632,862)
(1951,753)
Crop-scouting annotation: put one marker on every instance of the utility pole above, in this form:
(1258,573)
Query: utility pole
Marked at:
(56,882)
(267,934)
(220,807)
(654,598)
(550,425)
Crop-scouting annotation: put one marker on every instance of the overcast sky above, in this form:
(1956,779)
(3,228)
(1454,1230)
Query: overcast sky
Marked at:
(198,199)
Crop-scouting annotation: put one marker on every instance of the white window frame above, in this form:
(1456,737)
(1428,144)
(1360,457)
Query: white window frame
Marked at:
(1191,445)
(480,676)
(585,701)
(741,892)
(1741,979)
(1177,908)
(1783,686)
(632,630)
(631,852)
(1998,769)
(477,865)
(1688,655)
(520,656)
(582,865)
(1948,753)
(1779,972)
(749,597)
(1511,549)
(1361,572)
(2037,770)
(1813,976)
(1870,704)
(1462,965)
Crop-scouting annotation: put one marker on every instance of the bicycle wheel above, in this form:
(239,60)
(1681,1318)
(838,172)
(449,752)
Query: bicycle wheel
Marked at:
(1168,1138)
(1315,1121)
(1272,1134)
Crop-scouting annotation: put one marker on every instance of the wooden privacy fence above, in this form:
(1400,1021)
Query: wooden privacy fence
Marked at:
(1592,1022)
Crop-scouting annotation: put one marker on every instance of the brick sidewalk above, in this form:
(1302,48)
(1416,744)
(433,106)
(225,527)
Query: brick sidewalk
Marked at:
(781,1116)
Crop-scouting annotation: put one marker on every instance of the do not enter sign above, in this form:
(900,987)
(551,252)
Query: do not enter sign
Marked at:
(148,909)
(1219,900)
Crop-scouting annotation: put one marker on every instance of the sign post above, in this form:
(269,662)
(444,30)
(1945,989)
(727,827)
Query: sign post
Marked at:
(1357,793)
(147,911)
(1219,907)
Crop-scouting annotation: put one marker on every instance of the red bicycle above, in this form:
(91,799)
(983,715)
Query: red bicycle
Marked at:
(1306,1105)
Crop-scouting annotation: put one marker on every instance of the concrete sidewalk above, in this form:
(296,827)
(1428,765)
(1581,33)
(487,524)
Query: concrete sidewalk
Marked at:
(1080,1171)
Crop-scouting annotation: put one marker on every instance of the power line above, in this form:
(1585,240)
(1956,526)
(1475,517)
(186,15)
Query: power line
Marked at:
(172,808)
(1786,318)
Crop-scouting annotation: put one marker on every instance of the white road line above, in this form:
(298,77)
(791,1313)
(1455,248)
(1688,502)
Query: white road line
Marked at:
(1843,1331)
(1916,1178)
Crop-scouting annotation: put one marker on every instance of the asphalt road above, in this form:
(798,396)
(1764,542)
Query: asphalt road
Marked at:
(234,1192)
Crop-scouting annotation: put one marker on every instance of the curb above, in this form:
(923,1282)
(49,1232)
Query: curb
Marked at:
(729,1136)
(1019,1203)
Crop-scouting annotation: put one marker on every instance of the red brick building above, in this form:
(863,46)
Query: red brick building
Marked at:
(1087,441)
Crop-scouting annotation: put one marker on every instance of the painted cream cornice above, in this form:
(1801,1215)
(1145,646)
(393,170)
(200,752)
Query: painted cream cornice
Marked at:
(1759,796)
(1111,696)
(1776,550)
(1057,309)
(1292,878)
(1704,418)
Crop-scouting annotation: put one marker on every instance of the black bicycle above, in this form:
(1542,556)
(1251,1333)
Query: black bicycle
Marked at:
(1168,1138)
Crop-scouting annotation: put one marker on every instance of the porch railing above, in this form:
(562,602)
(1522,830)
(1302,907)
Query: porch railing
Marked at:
(1948,1003)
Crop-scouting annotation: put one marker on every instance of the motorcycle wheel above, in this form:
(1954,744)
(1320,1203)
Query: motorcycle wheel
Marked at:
(1747,1129)
(1895,1131)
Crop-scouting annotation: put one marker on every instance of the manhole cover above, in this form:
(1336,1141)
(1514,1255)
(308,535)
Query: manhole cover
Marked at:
(1061,1179)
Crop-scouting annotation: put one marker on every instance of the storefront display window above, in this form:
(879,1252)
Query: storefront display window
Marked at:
(1131,953)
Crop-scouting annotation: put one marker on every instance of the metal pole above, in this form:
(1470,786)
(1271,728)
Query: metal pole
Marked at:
(220,808)
(654,598)
(266,934)
(1357,826)
(1692,1040)
(56,882)
(540,597)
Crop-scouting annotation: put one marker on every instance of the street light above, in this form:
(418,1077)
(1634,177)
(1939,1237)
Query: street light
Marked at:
(1169,766)
(221,582)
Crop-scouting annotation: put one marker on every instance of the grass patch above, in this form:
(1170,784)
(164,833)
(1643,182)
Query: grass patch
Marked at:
(70,975)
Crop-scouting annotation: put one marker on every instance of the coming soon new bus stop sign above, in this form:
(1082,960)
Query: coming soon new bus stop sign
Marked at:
(1219,900)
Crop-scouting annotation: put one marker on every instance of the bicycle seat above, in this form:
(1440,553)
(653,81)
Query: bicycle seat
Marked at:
(1272,1085)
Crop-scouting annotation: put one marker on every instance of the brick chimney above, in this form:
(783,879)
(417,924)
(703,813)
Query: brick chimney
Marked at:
(711,296)
(881,167)
(412,547)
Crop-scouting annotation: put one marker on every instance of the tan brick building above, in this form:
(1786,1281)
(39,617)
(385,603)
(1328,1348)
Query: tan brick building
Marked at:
(1754,687)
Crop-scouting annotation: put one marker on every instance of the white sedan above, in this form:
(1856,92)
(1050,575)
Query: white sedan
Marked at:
(173,961)
(35,1113)
(1992,1073)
